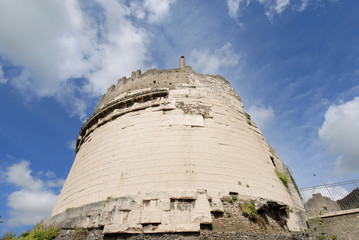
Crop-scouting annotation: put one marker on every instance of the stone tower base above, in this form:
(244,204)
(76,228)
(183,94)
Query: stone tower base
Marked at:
(96,234)
(185,215)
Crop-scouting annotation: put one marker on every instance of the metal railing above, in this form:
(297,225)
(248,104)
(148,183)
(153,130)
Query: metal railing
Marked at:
(346,194)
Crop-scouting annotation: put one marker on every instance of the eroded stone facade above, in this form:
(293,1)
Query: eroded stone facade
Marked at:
(170,146)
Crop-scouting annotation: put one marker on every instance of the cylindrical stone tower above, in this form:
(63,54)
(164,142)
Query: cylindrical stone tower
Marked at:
(165,151)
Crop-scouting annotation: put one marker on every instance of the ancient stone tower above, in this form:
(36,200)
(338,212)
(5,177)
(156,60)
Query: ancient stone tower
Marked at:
(170,151)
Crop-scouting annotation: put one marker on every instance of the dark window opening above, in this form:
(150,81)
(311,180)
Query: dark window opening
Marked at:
(273,162)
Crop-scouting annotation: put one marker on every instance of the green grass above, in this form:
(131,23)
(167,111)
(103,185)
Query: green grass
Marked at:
(249,209)
(80,234)
(283,178)
(107,200)
(232,199)
(39,232)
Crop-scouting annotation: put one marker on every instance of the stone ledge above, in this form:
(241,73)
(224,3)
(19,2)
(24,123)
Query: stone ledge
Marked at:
(335,213)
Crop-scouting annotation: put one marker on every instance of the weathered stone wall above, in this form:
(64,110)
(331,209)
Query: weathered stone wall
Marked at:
(337,226)
(319,204)
(134,215)
(174,135)
(95,234)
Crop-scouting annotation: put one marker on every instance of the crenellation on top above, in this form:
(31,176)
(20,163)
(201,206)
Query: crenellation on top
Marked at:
(152,78)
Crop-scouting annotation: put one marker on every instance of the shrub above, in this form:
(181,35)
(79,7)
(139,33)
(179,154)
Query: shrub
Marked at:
(9,236)
(40,232)
(249,209)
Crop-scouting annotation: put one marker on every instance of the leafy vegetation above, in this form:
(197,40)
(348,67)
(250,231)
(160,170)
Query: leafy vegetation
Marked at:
(107,200)
(283,178)
(39,232)
(80,234)
(321,237)
(249,210)
(9,236)
(232,199)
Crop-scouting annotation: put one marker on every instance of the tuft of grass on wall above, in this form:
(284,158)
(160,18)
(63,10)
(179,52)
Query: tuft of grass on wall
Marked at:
(249,209)
(283,178)
(233,199)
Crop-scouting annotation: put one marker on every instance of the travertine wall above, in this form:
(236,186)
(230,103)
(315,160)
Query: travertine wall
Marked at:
(174,134)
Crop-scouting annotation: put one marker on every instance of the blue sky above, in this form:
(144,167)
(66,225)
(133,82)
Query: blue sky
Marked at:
(295,64)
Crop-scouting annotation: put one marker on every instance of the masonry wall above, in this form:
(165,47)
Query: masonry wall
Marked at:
(190,139)
(341,227)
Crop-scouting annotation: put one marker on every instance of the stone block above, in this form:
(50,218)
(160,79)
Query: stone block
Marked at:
(217,205)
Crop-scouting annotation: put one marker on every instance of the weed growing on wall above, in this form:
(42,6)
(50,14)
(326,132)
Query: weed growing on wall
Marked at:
(283,178)
(249,209)
(80,234)
(107,200)
(232,199)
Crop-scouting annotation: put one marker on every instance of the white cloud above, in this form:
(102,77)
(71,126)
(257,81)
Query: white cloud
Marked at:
(272,7)
(303,5)
(233,8)
(20,175)
(206,62)
(261,115)
(2,78)
(281,5)
(71,145)
(55,183)
(57,43)
(50,174)
(35,200)
(29,207)
(158,9)
(155,10)
(340,131)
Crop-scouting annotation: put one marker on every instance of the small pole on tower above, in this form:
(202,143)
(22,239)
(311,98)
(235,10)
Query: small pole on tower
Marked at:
(182,64)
